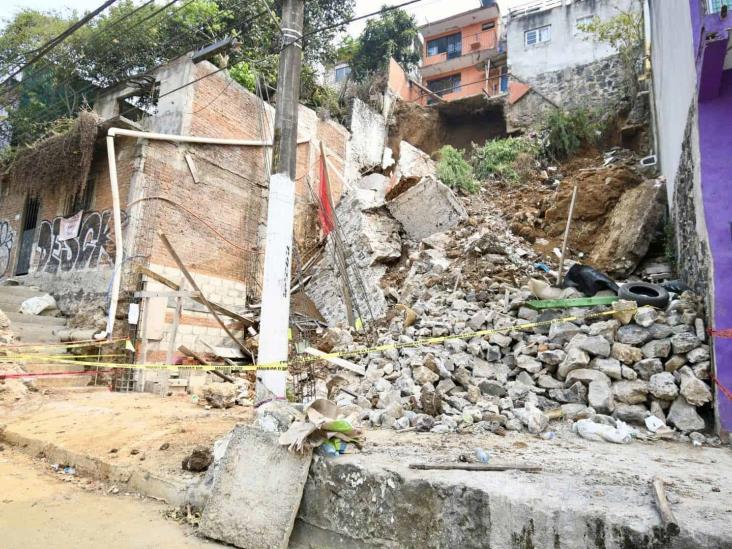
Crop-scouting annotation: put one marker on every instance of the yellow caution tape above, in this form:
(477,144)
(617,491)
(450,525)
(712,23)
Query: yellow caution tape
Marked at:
(305,359)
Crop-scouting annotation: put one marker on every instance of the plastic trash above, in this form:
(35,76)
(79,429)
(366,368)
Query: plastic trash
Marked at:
(588,280)
(622,433)
(68,470)
(542,267)
(549,435)
(36,305)
(482,456)
(653,424)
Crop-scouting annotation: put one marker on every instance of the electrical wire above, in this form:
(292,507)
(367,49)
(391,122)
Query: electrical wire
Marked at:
(51,44)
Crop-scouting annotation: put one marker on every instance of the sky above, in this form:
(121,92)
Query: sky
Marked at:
(424,11)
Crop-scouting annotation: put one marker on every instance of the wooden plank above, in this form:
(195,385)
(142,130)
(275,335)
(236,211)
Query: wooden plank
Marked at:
(560,271)
(351,366)
(186,351)
(195,287)
(664,508)
(192,168)
(165,294)
(474,467)
(195,296)
(539,304)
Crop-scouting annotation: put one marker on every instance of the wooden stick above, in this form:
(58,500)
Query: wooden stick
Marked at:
(664,509)
(560,274)
(474,467)
(186,351)
(195,287)
(194,296)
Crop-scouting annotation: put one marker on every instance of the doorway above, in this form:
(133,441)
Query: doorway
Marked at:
(30,221)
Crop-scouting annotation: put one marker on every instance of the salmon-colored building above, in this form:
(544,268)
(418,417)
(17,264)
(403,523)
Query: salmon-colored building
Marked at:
(462,56)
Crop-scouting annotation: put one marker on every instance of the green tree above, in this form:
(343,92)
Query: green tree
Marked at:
(129,39)
(624,32)
(393,34)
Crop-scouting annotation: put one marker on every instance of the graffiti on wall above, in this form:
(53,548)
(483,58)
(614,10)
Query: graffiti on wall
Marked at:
(91,248)
(7,238)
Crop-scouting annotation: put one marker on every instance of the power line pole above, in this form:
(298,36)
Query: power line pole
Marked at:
(275,316)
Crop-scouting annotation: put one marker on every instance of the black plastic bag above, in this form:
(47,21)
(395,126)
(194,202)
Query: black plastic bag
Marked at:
(587,280)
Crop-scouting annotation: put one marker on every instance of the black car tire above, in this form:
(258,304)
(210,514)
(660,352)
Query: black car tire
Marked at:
(644,294)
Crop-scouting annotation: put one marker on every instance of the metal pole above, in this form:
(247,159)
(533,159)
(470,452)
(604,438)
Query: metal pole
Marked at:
(275,317)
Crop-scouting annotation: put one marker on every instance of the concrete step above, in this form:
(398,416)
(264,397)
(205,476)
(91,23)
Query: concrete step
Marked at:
(20,291)
(34,333)
(38,320)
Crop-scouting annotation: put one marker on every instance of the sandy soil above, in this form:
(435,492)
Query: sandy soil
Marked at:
(39,508)
(126,429)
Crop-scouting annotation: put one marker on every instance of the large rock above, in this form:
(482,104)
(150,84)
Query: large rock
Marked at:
(586,376)
(684,416)
(426,208)
(632,413)
(220,395)
(657,348)
(630,228)
(663,386)
(694,390)
(413,163)
(577,393)
(648,367)
(596,346)
(423,375)
(684,342)
(528,363)
(575,359)
(609,366)
(626,354)
(632,334)
(631,392)
(600,396)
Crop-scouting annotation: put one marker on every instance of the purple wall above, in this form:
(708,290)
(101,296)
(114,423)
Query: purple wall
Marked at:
(715,147)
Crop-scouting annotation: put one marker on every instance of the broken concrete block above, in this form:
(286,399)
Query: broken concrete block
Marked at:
(368,135)
(241,509)
(426,208)
(413,163)
(630,228)
(371,191)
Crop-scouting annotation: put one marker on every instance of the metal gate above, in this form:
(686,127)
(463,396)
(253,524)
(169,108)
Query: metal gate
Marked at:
(30,220)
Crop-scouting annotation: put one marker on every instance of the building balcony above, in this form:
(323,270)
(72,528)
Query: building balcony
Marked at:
(471,49)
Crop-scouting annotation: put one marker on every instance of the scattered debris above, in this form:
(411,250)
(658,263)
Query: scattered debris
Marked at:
(198,460)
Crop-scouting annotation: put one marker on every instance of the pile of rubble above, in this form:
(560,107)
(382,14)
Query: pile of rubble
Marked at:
(627,364)
(440,268)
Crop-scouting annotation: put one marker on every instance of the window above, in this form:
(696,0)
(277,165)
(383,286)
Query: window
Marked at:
(451,45)
(341,73)
(714,6)
(488,26)
(581,21)
(538,36)
(441,86)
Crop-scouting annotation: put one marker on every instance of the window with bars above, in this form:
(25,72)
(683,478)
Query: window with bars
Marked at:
(441,86)
(715,6)
(341,73)
(538,36)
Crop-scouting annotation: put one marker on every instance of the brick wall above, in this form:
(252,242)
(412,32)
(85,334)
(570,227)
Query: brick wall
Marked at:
(76,271)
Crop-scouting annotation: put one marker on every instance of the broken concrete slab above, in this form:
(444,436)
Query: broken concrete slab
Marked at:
(413,163)
(257,491)
(427,208)
(371,190)
(630,229)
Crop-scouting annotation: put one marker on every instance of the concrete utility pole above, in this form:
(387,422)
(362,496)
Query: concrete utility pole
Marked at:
(275,317)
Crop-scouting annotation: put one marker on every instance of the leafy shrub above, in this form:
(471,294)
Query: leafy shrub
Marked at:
(569,131)
(454,171)
(503,158)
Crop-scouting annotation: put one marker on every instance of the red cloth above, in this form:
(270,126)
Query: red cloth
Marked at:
(325,210)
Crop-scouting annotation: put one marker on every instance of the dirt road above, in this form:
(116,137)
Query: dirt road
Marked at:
(38,509)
